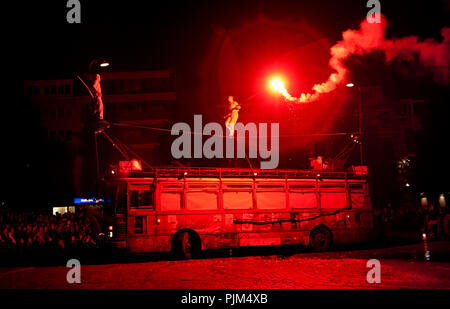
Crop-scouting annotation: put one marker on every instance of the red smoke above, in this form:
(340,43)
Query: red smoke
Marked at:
(370,37)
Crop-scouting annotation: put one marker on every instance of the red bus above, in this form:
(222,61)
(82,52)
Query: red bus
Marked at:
(186,210)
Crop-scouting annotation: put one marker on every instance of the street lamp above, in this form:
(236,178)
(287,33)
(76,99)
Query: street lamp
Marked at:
(98,61)
(351,85)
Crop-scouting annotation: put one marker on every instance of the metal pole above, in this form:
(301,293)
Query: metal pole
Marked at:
(360,127)
(91,64)
(98,167)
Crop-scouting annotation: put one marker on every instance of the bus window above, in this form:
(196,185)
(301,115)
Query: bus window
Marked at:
(139,222)
(238,186)
(203,187)
(172,186)
(333,200)
(302,200)
(170,200)
(271,200)
(237,200)
(146,198)
(201,201)
(270,186)
(141,195)
(302,195)
(134,198)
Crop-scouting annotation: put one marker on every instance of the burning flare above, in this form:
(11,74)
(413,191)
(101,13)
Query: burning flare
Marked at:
(277,85)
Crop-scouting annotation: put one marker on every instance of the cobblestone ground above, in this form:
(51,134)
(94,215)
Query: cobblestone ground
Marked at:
(401,267)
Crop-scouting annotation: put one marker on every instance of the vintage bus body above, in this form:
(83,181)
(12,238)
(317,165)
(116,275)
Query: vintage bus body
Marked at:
(196,209)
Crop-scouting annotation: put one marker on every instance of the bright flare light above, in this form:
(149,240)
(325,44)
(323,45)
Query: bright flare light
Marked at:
(276,84)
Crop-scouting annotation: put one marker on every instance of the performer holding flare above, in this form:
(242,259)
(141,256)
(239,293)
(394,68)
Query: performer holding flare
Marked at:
(233,115)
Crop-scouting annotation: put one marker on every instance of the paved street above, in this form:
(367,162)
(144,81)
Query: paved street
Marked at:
(421,265)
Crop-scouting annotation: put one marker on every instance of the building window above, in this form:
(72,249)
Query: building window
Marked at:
(156,84)
(53,113)
(69,113)
(44,113)
(69,135)
(29,91)
(53,89)
(132,85)
(84,112)
(60,89)
(67,89)
(47,90)
(36,90)
(388,149)
(60,113)
(410,142)
(61,135)
(385,119)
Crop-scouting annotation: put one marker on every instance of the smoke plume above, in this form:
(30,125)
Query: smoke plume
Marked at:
(432,54)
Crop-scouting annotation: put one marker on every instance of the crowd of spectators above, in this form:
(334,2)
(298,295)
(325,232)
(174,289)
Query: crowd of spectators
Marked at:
(430,219)
(39,230)
(437,221)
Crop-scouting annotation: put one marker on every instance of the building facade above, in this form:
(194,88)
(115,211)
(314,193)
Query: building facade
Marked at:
(393,133)
(131,100)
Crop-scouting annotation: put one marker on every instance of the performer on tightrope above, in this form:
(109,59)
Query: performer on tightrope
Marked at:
(232,116)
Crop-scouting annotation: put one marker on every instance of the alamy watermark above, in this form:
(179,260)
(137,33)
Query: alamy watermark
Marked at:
(374,274)
(213,147)
(74,274)
(374,15)
(73,16)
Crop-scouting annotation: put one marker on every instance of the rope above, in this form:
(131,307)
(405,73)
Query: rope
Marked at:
(90,92)
(115,145)
(130,150)
(223,136)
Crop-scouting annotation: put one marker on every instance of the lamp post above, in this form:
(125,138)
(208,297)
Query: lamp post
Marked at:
(101,62)
(351,85)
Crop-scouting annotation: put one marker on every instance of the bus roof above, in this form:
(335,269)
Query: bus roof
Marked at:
(207,172)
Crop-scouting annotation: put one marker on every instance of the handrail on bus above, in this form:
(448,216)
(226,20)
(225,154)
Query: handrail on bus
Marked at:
(185,172)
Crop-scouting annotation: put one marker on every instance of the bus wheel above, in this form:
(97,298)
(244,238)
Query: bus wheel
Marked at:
(188,245)
(320,238)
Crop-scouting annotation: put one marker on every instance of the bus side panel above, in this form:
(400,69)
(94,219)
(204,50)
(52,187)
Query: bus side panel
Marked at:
(146,243)
(145,239)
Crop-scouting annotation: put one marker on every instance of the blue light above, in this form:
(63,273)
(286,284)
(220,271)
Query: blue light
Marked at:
(87,200)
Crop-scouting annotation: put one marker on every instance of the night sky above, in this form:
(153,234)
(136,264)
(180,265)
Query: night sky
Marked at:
(158,34)
(289,36)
